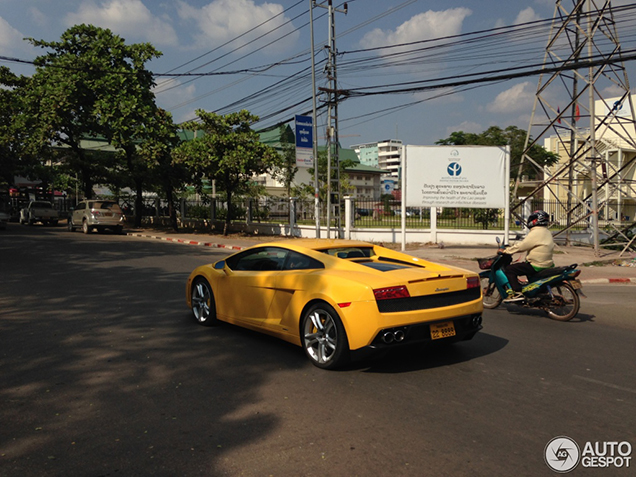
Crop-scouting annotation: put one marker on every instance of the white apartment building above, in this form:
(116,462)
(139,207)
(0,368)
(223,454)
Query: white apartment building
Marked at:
(385,155)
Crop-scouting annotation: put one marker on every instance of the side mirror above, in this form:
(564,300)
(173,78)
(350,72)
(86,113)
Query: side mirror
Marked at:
(219,265)
(498,241)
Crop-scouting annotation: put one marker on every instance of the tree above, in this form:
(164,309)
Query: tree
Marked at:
(288,169)
(13,159)
(127,111)
(157,153)
(226,149)
(512,136)
(91,84)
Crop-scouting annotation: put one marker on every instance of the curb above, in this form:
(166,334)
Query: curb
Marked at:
(597,281)
(187,242)
(591,281)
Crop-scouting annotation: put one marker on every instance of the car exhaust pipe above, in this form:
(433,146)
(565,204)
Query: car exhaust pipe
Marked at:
(477,320)
(393,336)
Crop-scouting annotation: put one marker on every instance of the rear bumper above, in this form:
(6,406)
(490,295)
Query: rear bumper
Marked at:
(105,223)
(364,323)
(465,328)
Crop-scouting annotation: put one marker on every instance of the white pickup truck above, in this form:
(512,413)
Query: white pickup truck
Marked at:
(39,211)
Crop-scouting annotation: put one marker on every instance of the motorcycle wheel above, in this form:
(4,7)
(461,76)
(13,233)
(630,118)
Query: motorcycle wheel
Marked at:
(565,304)
(491,296)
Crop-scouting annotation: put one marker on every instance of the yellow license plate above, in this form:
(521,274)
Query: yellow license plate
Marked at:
(576,284)
(442,330)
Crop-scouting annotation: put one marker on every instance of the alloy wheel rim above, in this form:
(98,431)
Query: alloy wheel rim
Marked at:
(321,336)
(201,302)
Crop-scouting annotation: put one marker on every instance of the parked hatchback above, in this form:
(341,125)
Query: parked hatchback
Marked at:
(97,214)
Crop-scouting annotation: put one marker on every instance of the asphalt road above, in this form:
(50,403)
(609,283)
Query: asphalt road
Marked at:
(104,373)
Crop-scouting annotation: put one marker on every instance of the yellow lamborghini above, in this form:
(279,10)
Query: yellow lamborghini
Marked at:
(337,298)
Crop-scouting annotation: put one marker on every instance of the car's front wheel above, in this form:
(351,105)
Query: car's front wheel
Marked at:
(71,227)
(323,337)
(203,305)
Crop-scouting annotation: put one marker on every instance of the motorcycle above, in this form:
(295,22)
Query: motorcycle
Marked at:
(554,290)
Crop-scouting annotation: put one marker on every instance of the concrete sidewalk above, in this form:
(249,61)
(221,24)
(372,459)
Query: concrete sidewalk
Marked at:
(608,267)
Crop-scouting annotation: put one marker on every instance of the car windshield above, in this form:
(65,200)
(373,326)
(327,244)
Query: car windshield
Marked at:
(350,252)
(106,205)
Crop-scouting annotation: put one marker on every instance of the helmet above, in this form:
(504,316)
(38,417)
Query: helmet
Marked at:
(538,217)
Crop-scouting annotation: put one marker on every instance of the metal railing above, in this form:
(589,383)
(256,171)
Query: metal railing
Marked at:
(384,214)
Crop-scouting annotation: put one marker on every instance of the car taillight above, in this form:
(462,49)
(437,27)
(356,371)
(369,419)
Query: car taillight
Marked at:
(391,292)
(95,213)
(472,282)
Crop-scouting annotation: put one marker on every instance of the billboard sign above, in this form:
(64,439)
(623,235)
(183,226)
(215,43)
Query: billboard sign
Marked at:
(457,176)
(304,141)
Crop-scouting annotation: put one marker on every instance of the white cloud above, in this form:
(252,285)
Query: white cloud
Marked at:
(37,16)
(518,98)
(526,15)
(466,126)
(424,26)
(128,18)
(224,20)
(11,40)
(613,90)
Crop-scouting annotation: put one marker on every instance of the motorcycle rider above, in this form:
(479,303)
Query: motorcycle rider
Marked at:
(539,246)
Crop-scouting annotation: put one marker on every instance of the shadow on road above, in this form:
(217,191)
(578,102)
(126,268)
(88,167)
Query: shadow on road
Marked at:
(436,355)
(102,373)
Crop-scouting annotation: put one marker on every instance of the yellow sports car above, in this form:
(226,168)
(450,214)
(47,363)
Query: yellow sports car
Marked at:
(337,298)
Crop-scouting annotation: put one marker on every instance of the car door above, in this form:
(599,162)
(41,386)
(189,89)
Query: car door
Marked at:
(298,276)
(245,291)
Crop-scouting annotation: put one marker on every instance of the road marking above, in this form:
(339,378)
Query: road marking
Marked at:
(603,383)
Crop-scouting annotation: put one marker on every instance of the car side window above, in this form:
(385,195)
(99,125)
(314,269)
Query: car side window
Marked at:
(81,206)
(259,259)
(298,261)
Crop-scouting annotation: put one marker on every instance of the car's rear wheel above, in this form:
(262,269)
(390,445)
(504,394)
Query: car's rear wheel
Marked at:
(491,296)
(323,337)
(203,305)
(85,228)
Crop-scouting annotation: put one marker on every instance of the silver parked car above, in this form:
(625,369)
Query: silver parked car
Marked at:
(97,214)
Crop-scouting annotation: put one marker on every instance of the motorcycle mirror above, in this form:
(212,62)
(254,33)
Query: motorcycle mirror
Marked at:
(498,241)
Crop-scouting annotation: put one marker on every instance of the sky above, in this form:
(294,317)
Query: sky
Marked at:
(255,56)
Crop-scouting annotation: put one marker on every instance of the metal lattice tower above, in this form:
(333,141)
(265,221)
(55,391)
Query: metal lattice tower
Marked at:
(595,137)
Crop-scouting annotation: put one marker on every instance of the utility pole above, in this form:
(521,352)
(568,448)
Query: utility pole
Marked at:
(332,119)
(314,121)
